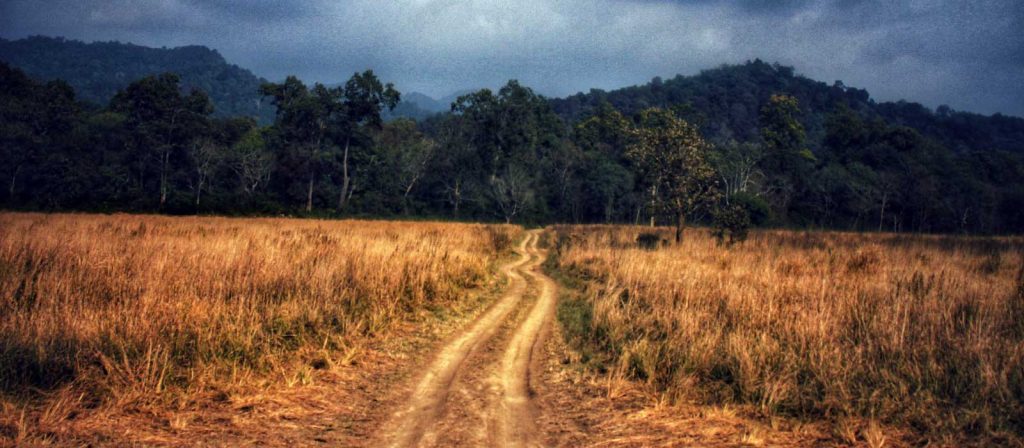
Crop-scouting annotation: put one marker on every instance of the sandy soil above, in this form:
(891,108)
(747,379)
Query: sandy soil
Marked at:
(478,389)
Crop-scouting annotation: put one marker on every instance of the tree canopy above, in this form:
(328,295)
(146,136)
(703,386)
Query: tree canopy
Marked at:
(742,145)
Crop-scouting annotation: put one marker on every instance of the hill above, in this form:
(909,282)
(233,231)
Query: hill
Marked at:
(419,106)
(726,102)
(98,70)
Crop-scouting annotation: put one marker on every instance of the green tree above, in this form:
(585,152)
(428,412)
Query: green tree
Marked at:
(674,160)
(606,180)
(784,137)
(457,163)
(406,153)
(732,223)
(787,160)
(301,127)
(19,138)
(211,153)
(163,124)
(364,98)
(518,141)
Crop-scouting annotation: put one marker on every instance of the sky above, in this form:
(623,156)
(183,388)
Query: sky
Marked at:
(965,54)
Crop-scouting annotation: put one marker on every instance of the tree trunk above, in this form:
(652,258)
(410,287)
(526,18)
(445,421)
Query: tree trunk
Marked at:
(309,194)
(344,177)
(881,214)
(405,200)
(163,177)
(680,224)
(199,190)
(14,179)
(408,191)
(654,203)
(456,198)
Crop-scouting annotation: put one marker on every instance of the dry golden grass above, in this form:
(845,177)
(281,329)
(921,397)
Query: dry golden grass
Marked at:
(147,309)
(924,333)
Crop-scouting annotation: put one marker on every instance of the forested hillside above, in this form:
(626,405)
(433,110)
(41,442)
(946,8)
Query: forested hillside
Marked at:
(98,70)
(726,102)
(738,145)
(419,107)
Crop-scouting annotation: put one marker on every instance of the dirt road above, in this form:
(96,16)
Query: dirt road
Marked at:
(516,416)
(487,368)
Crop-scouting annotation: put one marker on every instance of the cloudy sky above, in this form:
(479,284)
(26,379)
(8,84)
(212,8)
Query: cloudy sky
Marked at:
(967,54)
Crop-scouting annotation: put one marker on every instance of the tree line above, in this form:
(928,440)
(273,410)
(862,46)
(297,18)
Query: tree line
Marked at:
(503,155)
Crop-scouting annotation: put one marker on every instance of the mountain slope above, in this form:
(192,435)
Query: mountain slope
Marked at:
(727,100)
(98,70)
(419,106)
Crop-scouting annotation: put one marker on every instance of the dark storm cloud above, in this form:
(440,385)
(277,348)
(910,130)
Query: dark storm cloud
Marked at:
(967,54)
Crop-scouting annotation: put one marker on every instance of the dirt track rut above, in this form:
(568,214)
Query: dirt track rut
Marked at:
(509,415)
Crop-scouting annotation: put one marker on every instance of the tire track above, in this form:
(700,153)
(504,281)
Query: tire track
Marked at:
(426,404)
(515,413)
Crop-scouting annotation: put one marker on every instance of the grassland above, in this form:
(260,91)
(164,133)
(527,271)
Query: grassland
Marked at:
(883,337)
(920,333)
(100,311)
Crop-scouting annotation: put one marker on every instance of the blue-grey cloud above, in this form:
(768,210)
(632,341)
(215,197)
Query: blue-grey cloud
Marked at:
(967,54)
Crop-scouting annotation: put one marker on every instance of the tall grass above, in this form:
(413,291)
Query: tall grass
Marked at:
(132,308)
(921,331)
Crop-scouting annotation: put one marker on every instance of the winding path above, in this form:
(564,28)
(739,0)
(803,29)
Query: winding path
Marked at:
(509,416)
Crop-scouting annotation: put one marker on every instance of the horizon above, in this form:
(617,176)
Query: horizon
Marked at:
(457,91)
(943,52)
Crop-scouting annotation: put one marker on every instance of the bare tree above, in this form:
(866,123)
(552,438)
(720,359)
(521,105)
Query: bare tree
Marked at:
(207,155)
(511,191)
(413,166)
(252,162)
(737,167)
(886,187)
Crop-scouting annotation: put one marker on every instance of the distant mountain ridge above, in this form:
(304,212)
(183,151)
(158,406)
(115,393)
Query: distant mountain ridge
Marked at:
(419,106)
(98,70)
(726,102)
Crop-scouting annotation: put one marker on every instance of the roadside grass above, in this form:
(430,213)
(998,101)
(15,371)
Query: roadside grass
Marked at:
(151,312)
(918,334)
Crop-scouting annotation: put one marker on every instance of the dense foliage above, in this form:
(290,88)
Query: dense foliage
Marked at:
(756,144)
(99,70)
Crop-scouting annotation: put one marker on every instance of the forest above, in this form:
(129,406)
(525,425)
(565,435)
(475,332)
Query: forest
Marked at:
(763,147)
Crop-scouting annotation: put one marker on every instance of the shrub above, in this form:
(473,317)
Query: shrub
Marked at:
(648,241)
(732,223)
(757,208)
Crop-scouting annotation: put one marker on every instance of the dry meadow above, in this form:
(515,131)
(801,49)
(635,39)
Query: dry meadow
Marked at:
(883,337)
(922,333)
(120,310)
